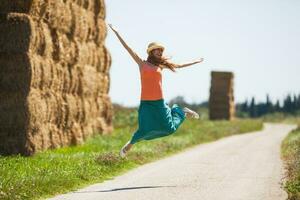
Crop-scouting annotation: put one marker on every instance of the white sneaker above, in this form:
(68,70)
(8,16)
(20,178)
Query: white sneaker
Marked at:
(123,152)
(190,113)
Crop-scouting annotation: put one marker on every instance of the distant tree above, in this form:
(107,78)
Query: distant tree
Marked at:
(269,105)
(298,102)
(178,100)
(204,104)
(294,104)
(181,101)
(242,109)
(277,106)
(244,106)
(252,108)
(287,104)
(261,109)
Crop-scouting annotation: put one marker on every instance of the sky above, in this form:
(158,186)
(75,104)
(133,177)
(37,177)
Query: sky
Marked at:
(257,40)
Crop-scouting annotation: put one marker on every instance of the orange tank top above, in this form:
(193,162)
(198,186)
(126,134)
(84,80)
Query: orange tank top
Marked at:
(151,82)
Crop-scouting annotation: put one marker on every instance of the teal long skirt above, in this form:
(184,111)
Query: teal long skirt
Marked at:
(156,119)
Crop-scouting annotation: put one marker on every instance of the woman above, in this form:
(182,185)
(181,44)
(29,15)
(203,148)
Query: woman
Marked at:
(156,119)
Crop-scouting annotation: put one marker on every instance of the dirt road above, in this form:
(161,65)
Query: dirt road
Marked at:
(241,167)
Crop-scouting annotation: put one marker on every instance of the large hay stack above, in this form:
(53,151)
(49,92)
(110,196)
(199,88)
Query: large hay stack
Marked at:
(221,100)
(54,74)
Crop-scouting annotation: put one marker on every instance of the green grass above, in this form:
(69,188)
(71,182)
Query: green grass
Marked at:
(62,170)
(291,155)
(281,118)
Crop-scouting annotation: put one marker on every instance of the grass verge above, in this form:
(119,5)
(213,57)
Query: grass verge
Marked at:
(58,171)
(291,155)
(281,118)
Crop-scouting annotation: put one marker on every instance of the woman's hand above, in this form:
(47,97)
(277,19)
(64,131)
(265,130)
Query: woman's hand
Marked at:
(199,61)
(112,28)
(136,58)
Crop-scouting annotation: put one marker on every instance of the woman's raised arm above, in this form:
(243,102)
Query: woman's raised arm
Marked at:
(189,64)
(136,58)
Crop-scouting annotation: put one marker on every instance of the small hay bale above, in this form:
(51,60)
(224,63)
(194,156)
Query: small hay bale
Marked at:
(17,35)
(22,6)
(67,50)
(84,25)
(90,81)
(100,32)
(23,35)
(77,134)
(58,16)
(36,8)
(221,100)
(105,60)
(15,73)
(100,8)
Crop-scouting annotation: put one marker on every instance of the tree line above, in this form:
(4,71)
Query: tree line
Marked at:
(291,105)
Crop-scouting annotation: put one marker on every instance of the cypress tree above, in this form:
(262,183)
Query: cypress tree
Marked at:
(244,106)
(252,109)
(269,105)
(287,106)
(277,107)
(298,102)
(294,104)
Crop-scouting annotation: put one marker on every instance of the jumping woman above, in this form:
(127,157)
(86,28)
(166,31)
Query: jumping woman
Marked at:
(155,118)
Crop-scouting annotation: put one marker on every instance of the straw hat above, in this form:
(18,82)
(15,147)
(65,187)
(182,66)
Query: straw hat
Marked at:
(154,45)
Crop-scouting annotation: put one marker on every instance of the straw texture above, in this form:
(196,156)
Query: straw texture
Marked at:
(221,100)
(54,74)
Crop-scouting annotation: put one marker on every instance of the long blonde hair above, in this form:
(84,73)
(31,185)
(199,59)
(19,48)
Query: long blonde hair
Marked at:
(160,62)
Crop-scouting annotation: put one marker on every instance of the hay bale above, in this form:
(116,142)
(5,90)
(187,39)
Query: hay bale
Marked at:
(35,8)
(105,60)
(83,54)
(23,35)
(44,47)
(54,78)
(15,68)
(22,6)
(77,134)
(100,32)
(12,144)
(55,136)
(72,110)
(67,50)
(17,35)
(15,110)
(74,76)
(221,100)
(91,54)
(89,80)
(89,5)
(84,24)
(100,9)
(58,16)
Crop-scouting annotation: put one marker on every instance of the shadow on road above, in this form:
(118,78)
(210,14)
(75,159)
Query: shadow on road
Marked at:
(126,188)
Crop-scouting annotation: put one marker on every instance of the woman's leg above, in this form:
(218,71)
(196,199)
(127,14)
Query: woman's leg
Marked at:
(136,137)
(170,122)
(125,149)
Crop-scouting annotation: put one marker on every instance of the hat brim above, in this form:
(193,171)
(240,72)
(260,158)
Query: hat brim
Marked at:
(155,47)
